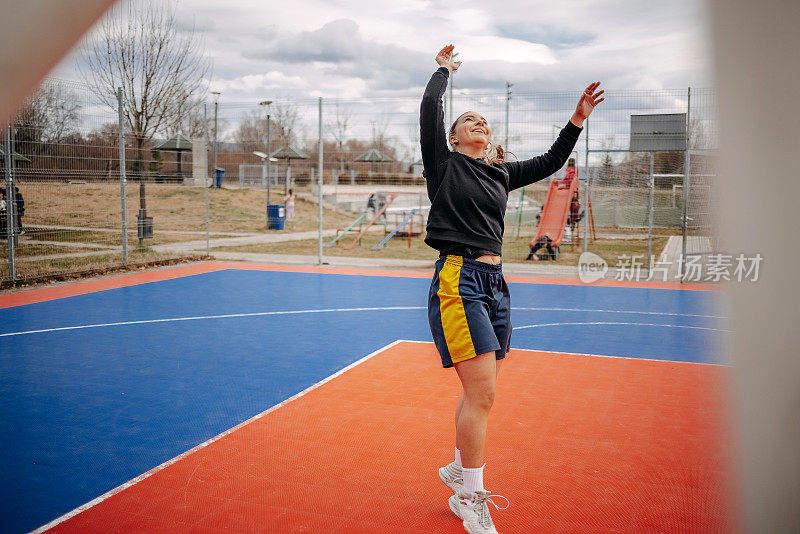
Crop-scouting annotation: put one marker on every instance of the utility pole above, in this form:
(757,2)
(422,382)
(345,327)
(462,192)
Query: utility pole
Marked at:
(452,80)
(509,85)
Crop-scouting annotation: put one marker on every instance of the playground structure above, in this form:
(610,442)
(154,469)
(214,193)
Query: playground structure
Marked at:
(381,210)
(409,221)
(398,230)
(555,216)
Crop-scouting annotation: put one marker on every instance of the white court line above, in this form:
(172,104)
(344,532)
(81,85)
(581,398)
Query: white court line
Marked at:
(168,463)
(295,312)
(630,324)
(557,352)
(148,321)
(625,311)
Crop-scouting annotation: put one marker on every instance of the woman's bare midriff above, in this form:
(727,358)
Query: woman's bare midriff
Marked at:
(494,260)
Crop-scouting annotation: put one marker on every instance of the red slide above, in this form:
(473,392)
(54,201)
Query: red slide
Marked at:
(555,212)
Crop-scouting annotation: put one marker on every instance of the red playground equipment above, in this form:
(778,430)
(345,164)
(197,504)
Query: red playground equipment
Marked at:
(555,215)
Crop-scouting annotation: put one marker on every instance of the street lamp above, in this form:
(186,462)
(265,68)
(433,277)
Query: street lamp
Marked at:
(267,160)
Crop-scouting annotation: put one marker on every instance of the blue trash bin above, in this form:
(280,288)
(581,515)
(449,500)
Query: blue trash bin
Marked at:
(219,173)
(276,215)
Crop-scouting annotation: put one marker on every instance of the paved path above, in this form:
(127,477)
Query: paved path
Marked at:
(671,254)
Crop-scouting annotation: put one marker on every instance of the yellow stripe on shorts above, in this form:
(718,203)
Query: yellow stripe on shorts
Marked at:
(451,307)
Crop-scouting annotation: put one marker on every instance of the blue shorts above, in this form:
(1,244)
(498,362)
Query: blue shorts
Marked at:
(469,309)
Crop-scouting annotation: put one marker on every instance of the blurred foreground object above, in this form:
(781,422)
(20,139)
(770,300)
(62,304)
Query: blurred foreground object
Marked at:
(34,36)
(755,53)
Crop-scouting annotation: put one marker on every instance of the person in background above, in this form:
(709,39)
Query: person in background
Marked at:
(289,201)
(543,242)
(569,175)
(575,213)
(375,204)
(19,210)
(3,214)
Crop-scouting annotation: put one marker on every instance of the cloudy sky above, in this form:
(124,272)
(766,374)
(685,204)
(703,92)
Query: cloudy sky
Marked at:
(358,48)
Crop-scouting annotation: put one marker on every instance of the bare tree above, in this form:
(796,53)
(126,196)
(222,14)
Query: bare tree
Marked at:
(49,115)
(699,137)
(251,134)
(189,119)
(284,115)
(339,127)
(378,130)
(161,69)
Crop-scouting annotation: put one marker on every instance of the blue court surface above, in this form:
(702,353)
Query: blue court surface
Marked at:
(101,387)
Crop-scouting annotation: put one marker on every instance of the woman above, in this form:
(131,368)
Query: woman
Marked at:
(569,175)
(468,302)
(289,201)
(575,215)
(3,229)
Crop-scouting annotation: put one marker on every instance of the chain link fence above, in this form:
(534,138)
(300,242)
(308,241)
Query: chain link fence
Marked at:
(246,182)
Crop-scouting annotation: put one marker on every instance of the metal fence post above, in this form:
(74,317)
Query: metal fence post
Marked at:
(216,109)
(686,185)
(11,207)
(319,190)
(652,182)
(206,182)
(121,128)
(586,187)
(519,212)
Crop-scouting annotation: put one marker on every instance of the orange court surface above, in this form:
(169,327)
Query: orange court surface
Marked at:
(577,443)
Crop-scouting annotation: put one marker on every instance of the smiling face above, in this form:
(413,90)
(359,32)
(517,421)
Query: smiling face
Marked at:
(470,131)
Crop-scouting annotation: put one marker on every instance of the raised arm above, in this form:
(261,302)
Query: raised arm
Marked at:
(522,173)
(433,138)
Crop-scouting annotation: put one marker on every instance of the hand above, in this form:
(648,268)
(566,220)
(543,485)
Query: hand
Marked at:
(443,58)
(589,99)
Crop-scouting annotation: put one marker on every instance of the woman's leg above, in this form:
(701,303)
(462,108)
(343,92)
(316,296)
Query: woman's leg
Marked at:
(460,405)
(478,378)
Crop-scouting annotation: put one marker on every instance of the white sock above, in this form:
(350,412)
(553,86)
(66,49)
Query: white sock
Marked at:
(458,458)
(473,479)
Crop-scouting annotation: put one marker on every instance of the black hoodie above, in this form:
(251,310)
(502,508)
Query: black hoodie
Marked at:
(469,196)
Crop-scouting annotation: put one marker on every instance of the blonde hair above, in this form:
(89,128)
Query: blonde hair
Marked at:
(494,154)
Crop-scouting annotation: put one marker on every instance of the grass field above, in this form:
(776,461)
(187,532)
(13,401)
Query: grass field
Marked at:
(35,271)
(173,208)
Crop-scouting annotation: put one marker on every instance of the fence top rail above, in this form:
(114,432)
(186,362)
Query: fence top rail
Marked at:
(681,176)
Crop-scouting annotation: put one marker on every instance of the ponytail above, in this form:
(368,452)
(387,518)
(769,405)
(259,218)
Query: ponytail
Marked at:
(496,154)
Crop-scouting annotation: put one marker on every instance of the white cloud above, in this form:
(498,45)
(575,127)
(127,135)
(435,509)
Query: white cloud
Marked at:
(250,82)
(359,48)
(486,47)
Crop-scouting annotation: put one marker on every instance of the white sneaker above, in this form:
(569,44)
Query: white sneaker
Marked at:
(473,510)
(452,476)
